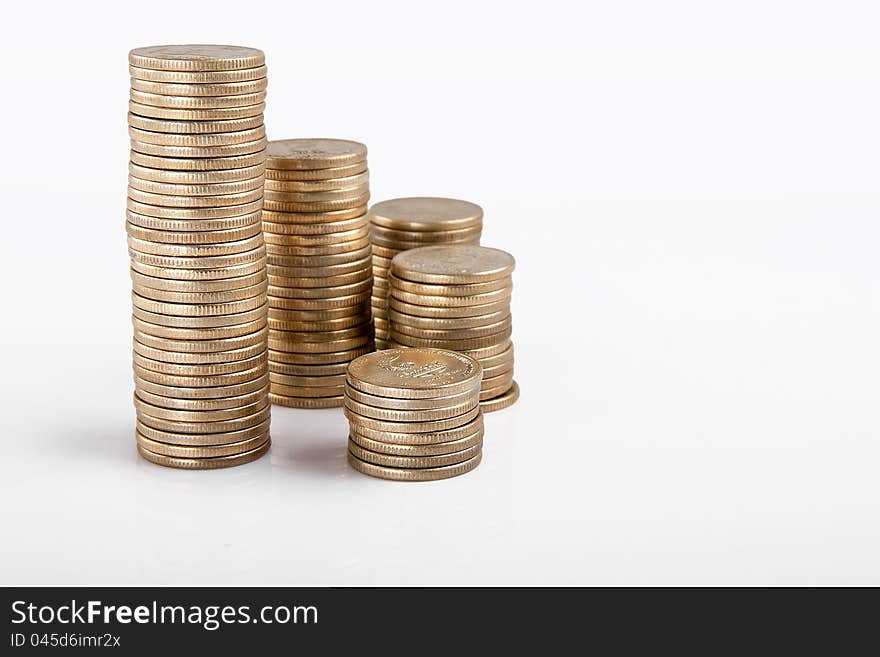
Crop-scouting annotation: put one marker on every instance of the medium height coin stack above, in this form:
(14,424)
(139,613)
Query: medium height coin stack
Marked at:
(318,239)
(414,414)
(198,260)
(408,223)
(458,298)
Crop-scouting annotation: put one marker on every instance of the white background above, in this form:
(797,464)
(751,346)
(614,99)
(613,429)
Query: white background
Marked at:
(691,192)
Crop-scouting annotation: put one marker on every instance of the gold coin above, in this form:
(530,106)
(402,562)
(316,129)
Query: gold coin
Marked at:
(199,369)
(413,462)
(358,236)
(452,265)
(319,292)
(194,127)
(199,163)
(453,334)
(211,426)
(165,354)
(254,339)
(213,392)
(343,227)
(196,103)
(175,201)
(305,391)
(414,373)
(248,245)
(330,369)
(205,463)
(317,315)
(319,304)
(346,182)
(315,197)
(329,173)
(206,89)
(222,190)
(425,438)
(505,356)
(231,274)
(205,405)
(426,214)
(314,153)
(408,415)
(207,452)
(320,281)
(306,381)
(199,334)
(183,113)
(319,359)
(424,426)
(201,322)
(426,238)
(313,217)
(191,214)
(319,326)
(196,177)
(167,414)
(432,289)
(415,474)
(196,57)
(344,344)
(305,402)
(397,245)
(453,345)
(198,77)
(201,381)
(197,140)
(435,449)
(498,384)
(317,206)
(313,272)
(201,152)
(383,256)
(193,225)
(402,320)
(193,237)
(320,260)
(288,255)
(448,312)
(377,401)
(197,261)
(359,330)
(198,297)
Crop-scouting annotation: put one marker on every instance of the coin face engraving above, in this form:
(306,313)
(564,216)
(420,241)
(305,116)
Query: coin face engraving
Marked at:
(458,261)
(423,369)
(400,367)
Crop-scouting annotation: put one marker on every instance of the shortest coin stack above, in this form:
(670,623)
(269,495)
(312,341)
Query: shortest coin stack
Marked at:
(414,414)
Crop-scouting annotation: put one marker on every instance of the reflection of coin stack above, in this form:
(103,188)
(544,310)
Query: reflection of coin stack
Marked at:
(198,261)
(408,223)
(458,298)
(318,238)
(414,414)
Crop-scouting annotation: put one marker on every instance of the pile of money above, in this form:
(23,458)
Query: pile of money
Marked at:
(408,223)
(198,260)
(318,241)
(414,414)
(458,298)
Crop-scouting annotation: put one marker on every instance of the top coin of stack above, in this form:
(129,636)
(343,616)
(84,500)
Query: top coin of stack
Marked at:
(407,223)
(198,260)
(318,239)
(414,414)
(458,297)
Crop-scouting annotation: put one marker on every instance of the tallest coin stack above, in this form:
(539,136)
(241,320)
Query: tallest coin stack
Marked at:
(198,260)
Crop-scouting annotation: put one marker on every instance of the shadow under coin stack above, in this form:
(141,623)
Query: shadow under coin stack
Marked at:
(414,414)
(318,239)
(458,298)
(408,223)
(198,261)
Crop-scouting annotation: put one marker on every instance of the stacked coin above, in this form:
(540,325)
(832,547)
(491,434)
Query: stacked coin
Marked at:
(408,223)
(318,238)
(198,260)
(458,297)
(414,414)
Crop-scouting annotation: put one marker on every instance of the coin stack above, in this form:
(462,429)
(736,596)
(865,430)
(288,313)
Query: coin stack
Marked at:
(198,260)
(458,298)
(318,238)
(408,223)
(414,414)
